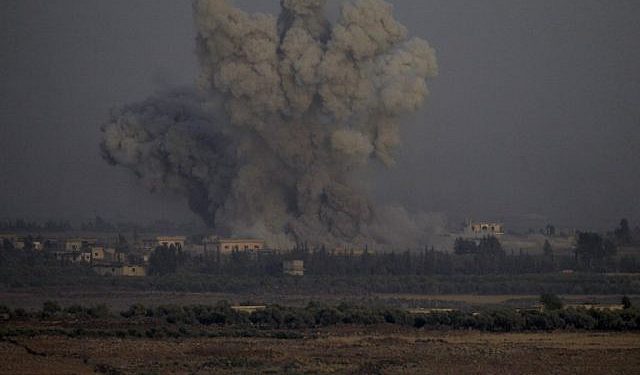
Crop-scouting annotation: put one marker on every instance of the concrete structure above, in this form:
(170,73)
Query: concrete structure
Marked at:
(71,256)
(86,257)
(78,244)
(126,270)
(248,308)
(293,267)
(97,253)
(168,241)
(111,255)
(347,251)
(228,245)
(481,229)
(20,243)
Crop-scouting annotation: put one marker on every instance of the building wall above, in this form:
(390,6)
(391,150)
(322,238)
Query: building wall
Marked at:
(97,253)
(77,244)
(121,270)
(227,246)
(486,228)
(176,241)
(130,270)
(293,267)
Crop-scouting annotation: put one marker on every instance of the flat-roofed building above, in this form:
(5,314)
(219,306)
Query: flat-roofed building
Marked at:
(349,251)
(168,241)
(78,244)
(229,245)
(293,267)
(127,270)
(97,253)
(485,229)
(21,243)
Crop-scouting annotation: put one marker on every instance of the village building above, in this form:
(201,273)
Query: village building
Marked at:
(113,255)
(72,256)
(126,270)
(348,251)
(229,245)
(78,244)
(20,243)
(85,257)
(293,267)
(168,241)
(483,229)
(97,253)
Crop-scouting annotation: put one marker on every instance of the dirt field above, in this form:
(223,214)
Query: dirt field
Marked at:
(356,350)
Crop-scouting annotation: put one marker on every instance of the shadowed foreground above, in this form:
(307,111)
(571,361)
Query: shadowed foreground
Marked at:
(381,349)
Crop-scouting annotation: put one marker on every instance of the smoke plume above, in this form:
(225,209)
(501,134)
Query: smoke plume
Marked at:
(287,111)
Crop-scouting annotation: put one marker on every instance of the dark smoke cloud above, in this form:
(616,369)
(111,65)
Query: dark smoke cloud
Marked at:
(286,113)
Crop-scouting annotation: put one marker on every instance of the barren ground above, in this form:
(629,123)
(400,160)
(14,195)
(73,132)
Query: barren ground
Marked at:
(347,349)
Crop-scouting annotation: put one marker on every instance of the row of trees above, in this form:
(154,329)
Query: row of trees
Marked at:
(32,269)
(484,257)
(314,315)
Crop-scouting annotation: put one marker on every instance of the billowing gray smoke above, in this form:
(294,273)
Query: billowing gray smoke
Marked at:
(286,113)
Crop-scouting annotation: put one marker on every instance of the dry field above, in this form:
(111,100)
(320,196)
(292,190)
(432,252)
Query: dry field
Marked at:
(339,350)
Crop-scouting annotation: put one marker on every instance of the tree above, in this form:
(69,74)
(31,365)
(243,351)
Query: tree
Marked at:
(464,246)
(623,233)
(551,302)
(626,302)
(6,244)
(591,246)
(50,308)
(547,249)
(163,261)
(121,244)
(490,246)
(550,230)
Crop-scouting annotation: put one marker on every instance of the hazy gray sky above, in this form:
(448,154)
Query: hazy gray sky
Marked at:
(535,113)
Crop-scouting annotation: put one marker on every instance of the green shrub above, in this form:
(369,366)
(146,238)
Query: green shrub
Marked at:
(50,309)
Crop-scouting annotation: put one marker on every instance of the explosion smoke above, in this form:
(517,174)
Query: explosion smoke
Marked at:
(286,112)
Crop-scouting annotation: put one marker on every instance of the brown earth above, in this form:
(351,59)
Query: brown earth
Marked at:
(339,350)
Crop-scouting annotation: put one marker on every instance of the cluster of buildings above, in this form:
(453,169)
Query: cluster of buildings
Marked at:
(133,260)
